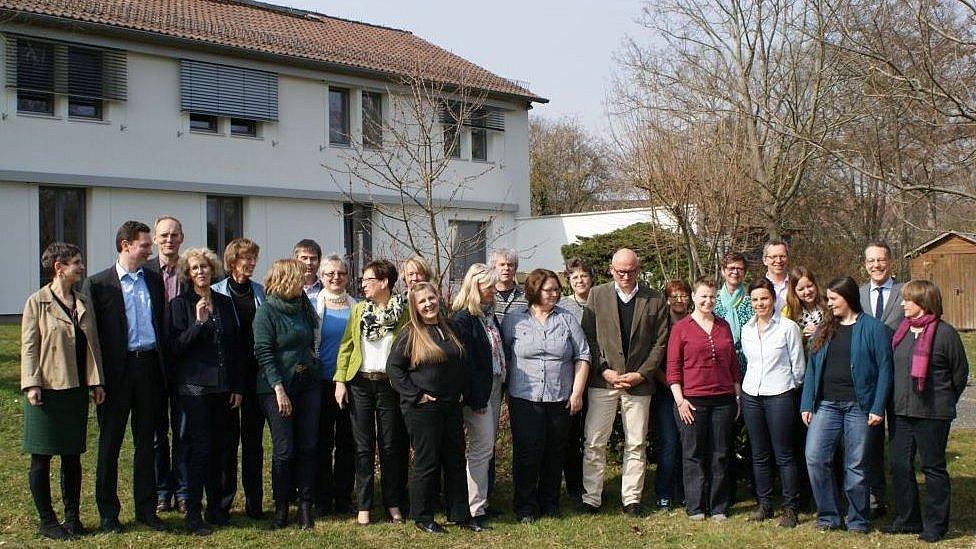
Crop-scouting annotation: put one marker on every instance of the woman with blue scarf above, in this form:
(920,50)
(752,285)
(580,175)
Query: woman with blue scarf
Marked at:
(732,304)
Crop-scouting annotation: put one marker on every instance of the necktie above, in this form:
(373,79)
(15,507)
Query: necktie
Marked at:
(879,306)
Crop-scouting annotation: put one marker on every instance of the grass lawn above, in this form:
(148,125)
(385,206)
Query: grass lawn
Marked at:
(18,520)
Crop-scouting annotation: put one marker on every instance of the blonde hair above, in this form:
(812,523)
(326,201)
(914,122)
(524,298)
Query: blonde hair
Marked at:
(285,279)
(417,263)
(183,267)
(236,249)
(419,343)
(469,294)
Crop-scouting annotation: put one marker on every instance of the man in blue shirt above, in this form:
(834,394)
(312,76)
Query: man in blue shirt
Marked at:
(128,301)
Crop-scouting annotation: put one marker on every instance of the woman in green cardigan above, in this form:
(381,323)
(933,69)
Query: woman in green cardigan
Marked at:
(289,385)
(361,382)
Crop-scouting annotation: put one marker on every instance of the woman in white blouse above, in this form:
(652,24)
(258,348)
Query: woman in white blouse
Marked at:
(773,346)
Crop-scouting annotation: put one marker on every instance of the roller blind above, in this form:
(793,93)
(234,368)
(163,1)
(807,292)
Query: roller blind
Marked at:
(50,66)
(488,118)
(222,90)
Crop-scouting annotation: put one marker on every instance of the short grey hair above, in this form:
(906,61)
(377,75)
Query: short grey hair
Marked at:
(507,254)
(332,258)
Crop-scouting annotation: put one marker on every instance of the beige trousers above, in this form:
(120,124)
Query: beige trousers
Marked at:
(481,430)
(599,423)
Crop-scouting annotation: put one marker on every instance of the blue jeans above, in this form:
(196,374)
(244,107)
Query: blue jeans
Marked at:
(667,479)
(832,423)
(771,421)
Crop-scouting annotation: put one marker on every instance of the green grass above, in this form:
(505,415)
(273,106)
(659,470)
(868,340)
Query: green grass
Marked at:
(18,522)
(969,341)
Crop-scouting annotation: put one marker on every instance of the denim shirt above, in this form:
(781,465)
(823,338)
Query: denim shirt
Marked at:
(138,309)
(542,356)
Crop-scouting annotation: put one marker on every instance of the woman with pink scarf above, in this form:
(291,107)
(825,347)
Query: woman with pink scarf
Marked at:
(930,373)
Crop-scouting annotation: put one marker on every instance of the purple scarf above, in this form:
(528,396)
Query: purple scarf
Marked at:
(923,346)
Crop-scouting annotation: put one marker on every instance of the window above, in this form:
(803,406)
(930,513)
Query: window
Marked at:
(35,76)
(358,235)
(85,78)
(242,127)
(203,123)
(372,120)
(222,90)
(338,116)
(452,141)
(35,102)
(85,108)
(479,144)
(224,221)
(62,218)
(469,246)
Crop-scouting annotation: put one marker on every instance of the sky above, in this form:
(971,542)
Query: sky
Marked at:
(563,49)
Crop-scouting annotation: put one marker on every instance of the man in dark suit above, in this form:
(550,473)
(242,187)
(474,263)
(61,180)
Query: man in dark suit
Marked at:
(170,480)
(880,298)
(626,325)
(128,302)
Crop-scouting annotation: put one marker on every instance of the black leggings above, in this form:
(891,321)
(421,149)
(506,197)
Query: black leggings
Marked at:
(40,485)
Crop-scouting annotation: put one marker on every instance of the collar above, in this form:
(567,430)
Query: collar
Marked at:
(317,284)
(164,268)
(776,284)
(887,285)
(626,297)
(121,272)
(754,320)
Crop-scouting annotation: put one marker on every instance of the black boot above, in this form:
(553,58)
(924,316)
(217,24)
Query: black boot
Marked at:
(280,519)
(305,521)
(40,487)
(195,524)
(71,495)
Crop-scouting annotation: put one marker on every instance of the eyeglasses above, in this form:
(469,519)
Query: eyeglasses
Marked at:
(679,297)
(735,269)
(876,260)
(370,279)
(623,273)
(334,274)
(777,257)
(550,290)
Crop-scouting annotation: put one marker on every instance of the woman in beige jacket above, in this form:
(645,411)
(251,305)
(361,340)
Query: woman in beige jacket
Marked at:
(60,363)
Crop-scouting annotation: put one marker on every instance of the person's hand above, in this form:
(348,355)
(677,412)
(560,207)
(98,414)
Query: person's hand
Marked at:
(340,395)
(611,377)
(686,411)
(629,380)
(284,403)
(203,310)
(98,394)
(235,401)
(425,398)
(874,420)
(575,403)
(34,396)
(809,330)
(807,417)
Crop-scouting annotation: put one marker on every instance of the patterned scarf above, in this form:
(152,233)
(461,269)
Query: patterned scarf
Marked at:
(923,346)
(376,322)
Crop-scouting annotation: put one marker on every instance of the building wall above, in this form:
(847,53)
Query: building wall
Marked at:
(18,247)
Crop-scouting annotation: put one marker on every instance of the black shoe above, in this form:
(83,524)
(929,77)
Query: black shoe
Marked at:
(892,529)
(824,527)
(929,537)
(879,511)
(153,522)
(472,524)
(305,520)
(760,514)
(74,527)
(343,509)
(322,510)
(788,519)
(551,512)
(588,509)
(196,526)
(482,521)
(52,530)
(632,510)
(663,504)
(111,526)
(218,517)
(253,510)
(430,527)
(280,519)
(526,519)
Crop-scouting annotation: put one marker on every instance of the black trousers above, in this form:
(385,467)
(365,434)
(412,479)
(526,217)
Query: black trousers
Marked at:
(573,453)
(705,446)
(771,421)
(202,436)
(293,441)
(39,479)
(170,479)
(876,462)
(539,433)
(336,454)
(437,437)
(927,437)
(245,428)
(377,424)
(137,394)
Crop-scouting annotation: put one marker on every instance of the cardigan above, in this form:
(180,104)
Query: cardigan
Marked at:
(477,348)
(946,380)
(705,365)
(350,357)
(284,333)
(871,367)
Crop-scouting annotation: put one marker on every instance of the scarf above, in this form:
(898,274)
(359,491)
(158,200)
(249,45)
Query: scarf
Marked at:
(376,322)
(730,306)
(923,346)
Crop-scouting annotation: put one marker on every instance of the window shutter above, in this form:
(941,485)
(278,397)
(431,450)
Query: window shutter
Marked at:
(222,90)
(65,68)
(488,118)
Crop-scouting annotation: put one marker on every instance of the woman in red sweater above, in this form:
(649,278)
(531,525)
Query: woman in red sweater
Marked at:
(703,374)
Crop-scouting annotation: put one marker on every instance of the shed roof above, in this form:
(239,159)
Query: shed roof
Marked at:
(969,237)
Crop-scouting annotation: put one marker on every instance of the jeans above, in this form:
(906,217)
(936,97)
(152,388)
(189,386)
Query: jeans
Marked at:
(770,421)
(539,432)
(482,429)
(832,423)
(293,441)
(928,437)
(705,447)
(634,411)
(437,438)
(336,454)
(203,426)
(170,477)
(377,423)
(667,479)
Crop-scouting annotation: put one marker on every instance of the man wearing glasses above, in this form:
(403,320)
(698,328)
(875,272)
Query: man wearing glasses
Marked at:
(776,258)
(626,325)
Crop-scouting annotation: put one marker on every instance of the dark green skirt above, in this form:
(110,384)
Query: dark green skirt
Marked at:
(60,425)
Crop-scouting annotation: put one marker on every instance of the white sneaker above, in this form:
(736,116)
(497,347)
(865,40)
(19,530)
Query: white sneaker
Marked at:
(697,518)
(720,517)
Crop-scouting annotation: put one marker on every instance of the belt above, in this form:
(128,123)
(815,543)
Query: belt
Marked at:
(374,376)
(140,354)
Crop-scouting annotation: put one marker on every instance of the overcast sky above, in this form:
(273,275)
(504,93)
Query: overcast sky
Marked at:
(563,49)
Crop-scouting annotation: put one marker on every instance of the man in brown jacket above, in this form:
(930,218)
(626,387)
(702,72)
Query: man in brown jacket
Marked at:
(626,325)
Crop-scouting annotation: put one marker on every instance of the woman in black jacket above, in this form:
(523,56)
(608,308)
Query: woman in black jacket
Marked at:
(203,341)
(930,375)
(426,369)
(479,332)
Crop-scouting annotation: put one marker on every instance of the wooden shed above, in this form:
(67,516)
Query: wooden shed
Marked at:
(949,261)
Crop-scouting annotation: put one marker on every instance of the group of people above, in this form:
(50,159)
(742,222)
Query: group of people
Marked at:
(200,356)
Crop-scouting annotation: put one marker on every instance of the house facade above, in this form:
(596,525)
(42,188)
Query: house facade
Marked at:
(234,117)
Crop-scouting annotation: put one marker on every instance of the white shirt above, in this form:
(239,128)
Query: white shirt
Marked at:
(375,354)
(775,361)
(626,297)
(780,288)
(873,294)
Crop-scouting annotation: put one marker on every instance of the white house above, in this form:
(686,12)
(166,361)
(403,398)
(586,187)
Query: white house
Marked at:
(227,115)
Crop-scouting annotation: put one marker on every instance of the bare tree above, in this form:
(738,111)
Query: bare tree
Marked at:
(569,171)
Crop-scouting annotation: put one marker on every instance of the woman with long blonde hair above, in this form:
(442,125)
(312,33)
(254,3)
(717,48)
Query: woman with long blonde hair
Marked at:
(426,369)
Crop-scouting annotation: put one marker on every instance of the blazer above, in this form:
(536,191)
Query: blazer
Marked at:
(648,335)
(871,367)
(350,357)
(947,377)
(197,352)
(105,296)
(47,335)
(893,314)
(477,357)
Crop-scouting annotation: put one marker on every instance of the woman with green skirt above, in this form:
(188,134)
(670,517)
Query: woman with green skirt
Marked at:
(60,364)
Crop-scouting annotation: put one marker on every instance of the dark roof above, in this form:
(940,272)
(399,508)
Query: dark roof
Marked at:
(970,237)
(278,30)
